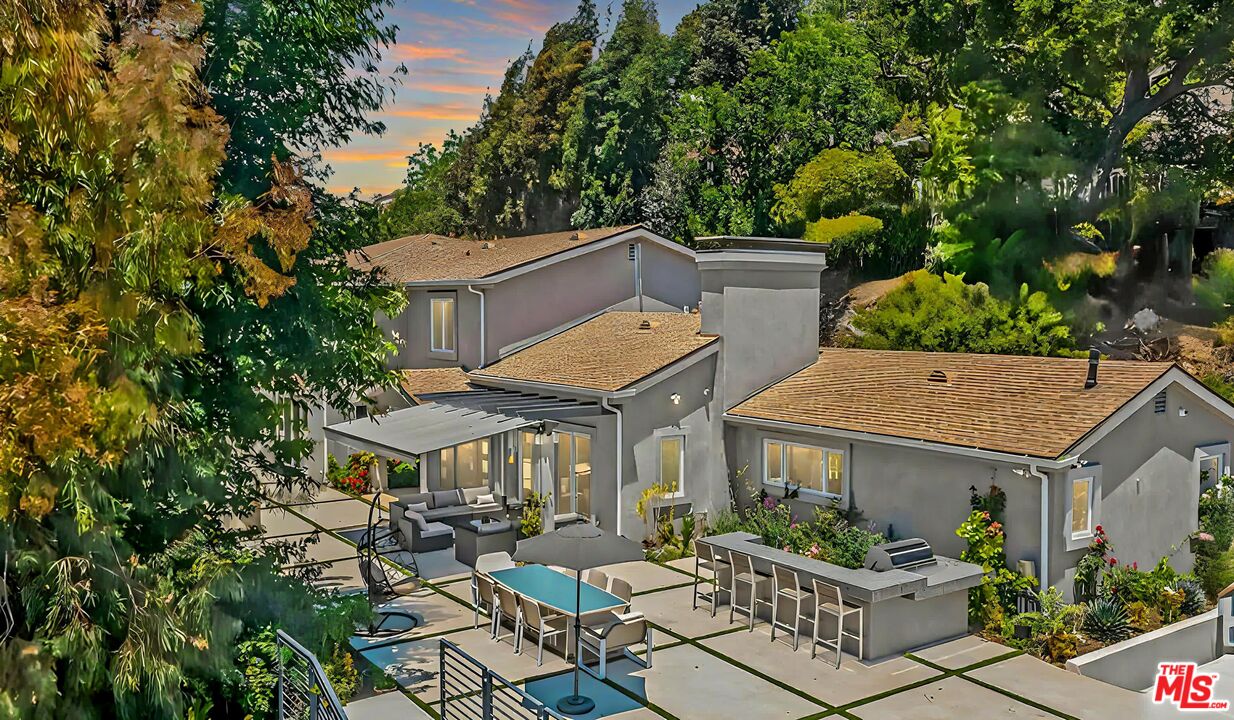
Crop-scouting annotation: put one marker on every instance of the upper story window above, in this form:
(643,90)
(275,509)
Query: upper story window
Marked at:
(442,324)
(812,469)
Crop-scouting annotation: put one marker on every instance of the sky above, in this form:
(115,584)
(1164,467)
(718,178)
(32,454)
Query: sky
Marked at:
(455,51)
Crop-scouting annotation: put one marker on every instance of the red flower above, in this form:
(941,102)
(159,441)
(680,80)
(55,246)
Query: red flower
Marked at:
(1135,565)
(1113,561)
(1099,530)
(364,473)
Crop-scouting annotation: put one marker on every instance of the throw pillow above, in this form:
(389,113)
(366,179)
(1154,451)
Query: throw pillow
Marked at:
(489,499)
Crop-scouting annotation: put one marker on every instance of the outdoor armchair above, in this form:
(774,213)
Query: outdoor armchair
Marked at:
(617,634)
(543,622)
(621,589)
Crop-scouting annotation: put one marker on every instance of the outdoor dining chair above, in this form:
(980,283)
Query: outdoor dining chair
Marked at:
(597,578)
(618,633)
(621,589)
(482,599)
(743,574)
(829,600)
(491,562)
(543,622)
(708,558)
(787,589)
(507,608)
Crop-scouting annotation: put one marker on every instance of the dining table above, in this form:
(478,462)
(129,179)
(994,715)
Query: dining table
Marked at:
(557,591)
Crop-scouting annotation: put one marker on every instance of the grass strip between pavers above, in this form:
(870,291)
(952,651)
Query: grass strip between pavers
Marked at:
(1018,697)
(666,588)
(742,666)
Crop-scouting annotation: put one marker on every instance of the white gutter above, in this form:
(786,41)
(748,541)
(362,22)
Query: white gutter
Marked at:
(620,451)
(483,330)
(1044,565)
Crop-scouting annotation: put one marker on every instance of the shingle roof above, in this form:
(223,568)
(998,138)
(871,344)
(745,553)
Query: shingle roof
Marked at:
(1021,405)
(607,353)
(433,380)
(419,258)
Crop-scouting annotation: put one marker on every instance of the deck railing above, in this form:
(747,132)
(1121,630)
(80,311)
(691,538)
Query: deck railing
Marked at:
(470,691)
(304,691)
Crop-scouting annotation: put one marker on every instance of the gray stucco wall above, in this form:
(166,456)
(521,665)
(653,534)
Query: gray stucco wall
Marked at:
(1149,494)
(915,493)
(1149,485)
(527,305)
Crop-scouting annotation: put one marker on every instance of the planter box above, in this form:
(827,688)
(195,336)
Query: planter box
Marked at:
(1132,663)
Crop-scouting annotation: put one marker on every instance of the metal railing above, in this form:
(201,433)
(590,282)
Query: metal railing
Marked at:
(304,691)
(470,691)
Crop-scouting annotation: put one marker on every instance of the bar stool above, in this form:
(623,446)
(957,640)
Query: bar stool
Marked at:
(829,600)
(787,588)
(743,574)
(707,558)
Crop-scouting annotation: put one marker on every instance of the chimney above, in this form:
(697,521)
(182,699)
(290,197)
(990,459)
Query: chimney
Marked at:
(1094,359)
(760,295)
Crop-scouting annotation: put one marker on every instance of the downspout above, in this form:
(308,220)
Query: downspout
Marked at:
(620,452)
(483,329)
(638,274)
(1044,569)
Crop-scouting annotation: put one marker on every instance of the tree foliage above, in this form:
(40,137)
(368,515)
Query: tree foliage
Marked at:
(945,314)
(160,304)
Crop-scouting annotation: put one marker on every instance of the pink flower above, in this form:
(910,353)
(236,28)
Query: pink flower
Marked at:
(792,526)
(769,502)
(1205,537)
(1135,565)
(787,549)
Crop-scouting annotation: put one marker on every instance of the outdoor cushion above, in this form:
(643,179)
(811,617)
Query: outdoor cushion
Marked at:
(419,507)
(418,519)
(471,494)
(446,498)
(485,500)
(436,530)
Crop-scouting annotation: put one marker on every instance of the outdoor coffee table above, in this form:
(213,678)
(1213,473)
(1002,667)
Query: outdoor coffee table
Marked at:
(556,591)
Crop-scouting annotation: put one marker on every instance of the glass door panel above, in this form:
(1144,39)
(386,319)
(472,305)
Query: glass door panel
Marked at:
(563,493)
(582,474)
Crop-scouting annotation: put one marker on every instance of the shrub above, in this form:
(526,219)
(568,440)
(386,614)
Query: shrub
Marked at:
(1052,629)
(1217,514)
(853,238)
(1194,600)
(838,182)
(354,476)
(945,314)
(1214,287)
(825,536)
(989,602)
(1106,620)
(1141,615)
(533,515)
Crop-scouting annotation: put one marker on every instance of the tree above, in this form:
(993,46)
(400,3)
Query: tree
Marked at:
(508,178)
(718,38)
(1058,94)
(618,129)
(423,204)
(154,325)
(838,182)
(944,314)
(728,150)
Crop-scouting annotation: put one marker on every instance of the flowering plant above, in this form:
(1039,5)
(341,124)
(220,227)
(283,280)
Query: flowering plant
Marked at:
(354,476)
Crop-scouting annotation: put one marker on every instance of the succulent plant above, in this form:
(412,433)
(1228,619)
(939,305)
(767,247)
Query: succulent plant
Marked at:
(1106,620)
(1193,597)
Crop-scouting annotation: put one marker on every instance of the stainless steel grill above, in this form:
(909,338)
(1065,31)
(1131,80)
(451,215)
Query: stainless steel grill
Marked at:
(900,555)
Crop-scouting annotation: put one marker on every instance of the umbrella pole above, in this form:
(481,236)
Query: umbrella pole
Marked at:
(577,704)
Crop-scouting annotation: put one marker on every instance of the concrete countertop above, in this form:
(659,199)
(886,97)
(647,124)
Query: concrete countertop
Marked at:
(947,576)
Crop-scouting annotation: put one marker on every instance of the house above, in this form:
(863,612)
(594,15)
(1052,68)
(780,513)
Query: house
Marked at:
(736,397)
(472,302)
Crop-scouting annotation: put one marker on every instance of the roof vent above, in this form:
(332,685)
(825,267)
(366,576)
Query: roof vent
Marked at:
(487,245)
(939,376)
(646,326)
(1094,360)
(574,237)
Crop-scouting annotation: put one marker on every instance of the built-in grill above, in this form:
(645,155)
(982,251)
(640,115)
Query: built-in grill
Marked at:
(900,555)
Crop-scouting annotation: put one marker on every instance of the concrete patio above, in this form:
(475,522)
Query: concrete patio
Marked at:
(704,668)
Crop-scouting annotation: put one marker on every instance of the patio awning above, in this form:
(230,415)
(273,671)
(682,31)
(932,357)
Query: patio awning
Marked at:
(451,419)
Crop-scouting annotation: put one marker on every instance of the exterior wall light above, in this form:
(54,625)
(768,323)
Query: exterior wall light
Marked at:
(676,398)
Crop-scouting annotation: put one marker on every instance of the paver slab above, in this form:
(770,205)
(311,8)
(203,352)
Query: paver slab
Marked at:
(686,564)
(673,609)
(645,576)
(1054,687)
(386,706)
(695,685)
(316,548)
(818,677)
(948,699)
(962,652)
(611,704)
(279,522)
(435,612)
(335,515)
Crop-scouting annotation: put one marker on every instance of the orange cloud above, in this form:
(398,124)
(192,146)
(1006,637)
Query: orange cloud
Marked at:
(451,88)
(437,111)
(409,51)
(350,155)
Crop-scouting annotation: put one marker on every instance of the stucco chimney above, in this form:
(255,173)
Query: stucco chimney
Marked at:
(760,295)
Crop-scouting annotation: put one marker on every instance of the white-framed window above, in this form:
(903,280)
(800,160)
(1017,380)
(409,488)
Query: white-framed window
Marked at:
(526,463)
(673,463)
(442,324)
(1082,507)
(359,410)
(465,466)
(810,468)
(1214,463)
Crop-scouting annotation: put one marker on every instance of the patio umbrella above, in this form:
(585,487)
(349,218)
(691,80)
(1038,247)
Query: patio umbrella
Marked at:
(578,548)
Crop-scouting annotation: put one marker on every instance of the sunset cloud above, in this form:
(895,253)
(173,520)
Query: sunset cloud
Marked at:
(437,111)
(452,88)
(417,51)
(353,155)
